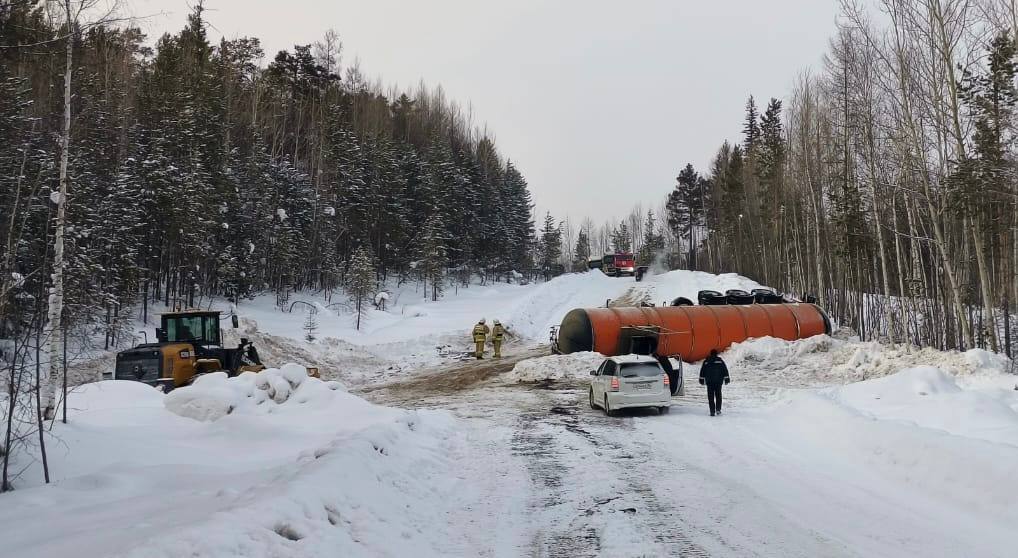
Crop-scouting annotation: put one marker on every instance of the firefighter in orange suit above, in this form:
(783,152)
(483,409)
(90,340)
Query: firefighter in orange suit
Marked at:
(480,335)
(497,334)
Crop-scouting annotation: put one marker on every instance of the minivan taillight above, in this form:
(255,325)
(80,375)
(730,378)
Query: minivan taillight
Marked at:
(615,383)
(666,379)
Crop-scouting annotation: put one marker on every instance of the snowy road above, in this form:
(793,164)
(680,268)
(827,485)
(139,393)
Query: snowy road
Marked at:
(544,475)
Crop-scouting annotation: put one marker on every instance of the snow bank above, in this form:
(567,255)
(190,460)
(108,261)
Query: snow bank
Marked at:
(823,360)
(968,393)
(268,464)
(575,366)
(381,491)
(971,475)
(931,398)
(214,396)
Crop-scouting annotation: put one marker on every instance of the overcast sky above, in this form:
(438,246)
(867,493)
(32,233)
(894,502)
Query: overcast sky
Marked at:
(598,103)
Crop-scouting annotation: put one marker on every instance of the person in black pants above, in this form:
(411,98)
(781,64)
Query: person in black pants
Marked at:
(714,373)
(673,375)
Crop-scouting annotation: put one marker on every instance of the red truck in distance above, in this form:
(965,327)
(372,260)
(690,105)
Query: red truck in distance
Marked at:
(618,265)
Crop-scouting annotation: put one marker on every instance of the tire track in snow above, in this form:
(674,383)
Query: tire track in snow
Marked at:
(430,389)
(560,446)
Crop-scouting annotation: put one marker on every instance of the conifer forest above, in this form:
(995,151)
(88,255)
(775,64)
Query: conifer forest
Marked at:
(882,182)
(194,173)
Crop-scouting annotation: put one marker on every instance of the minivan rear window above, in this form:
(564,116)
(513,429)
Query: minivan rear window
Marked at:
(634,369)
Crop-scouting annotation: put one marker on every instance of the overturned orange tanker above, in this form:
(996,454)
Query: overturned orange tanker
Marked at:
(686,332)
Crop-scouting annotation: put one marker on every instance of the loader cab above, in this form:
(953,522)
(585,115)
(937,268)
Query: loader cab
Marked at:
(200,328)
(189,343)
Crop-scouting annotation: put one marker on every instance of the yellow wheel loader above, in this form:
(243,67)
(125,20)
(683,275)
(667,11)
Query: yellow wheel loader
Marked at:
(188,343)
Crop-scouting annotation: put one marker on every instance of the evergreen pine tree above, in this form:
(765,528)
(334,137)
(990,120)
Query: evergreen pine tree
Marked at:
(653,241)
(685,206)
(771,161)
(434,256)
(581,253)
(751,127)
(622,241)
(311,324)
(550,247)
(518,237)
(361,282)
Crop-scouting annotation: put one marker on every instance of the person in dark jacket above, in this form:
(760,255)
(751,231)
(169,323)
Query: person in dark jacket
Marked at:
(673,375)
(713,374)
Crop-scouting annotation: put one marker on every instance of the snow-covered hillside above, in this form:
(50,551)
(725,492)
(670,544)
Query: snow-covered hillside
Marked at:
(414,332)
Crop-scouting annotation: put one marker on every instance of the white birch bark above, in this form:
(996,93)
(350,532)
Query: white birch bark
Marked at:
(54,328)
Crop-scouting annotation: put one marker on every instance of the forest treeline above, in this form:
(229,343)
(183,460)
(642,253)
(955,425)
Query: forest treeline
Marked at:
(197,171)
(885,184)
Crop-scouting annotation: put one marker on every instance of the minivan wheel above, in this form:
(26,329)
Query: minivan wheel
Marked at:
(592,405)
(607,408)
(663,410)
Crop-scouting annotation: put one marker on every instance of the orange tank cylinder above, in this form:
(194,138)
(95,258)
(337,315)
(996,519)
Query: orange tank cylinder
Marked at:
(686,332)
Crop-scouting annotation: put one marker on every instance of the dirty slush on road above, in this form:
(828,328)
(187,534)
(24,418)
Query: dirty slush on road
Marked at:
(589,480)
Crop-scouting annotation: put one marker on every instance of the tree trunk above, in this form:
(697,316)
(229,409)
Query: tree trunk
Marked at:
(984,283)
(54,327)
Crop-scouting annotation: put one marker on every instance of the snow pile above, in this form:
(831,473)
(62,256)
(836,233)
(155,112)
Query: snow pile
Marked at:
(319,472)
(378,491)
(214,396)
(575,366)
(823,360)
(546,304)
(931,398)
(666,287)
(980,360)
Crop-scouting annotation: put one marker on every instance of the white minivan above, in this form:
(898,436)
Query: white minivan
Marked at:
(624,382)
